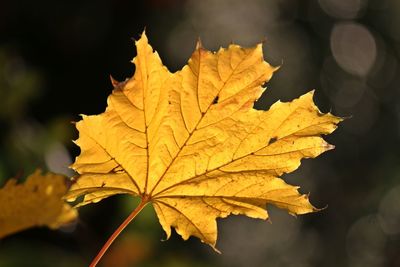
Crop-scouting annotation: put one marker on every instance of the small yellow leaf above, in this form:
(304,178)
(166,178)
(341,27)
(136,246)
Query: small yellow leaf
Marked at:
(192,144)
(37,202)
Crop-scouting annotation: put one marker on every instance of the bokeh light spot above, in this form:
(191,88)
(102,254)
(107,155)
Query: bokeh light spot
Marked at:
(389,212)
(348,9)
(366,242)
(353,47)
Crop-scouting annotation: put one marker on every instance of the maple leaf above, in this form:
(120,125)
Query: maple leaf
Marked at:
(37,202)
(192,144)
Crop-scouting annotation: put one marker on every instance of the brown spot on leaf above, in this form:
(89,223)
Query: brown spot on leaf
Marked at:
(215,101)
(272,140)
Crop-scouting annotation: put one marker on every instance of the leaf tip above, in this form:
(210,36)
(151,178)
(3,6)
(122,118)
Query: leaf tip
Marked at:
(167,235)
(328,146)
(263,40)
(324,208)
(142,38)
(143,35)
(114,82)
(276,68)
(199,44)
(214,248)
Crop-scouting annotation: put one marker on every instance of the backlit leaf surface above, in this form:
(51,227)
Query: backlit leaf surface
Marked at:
(36,202)
(192,144)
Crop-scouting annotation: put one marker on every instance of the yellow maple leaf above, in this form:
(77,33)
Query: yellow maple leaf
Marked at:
(37,202)
(192,144)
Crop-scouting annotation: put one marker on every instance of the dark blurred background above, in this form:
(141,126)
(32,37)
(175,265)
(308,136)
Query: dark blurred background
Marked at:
(55,62)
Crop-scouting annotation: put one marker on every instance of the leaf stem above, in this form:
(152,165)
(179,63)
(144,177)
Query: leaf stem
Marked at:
(111,239)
